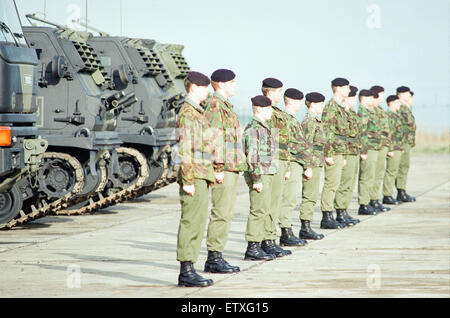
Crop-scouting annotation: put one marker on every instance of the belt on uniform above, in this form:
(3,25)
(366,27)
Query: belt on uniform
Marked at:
(318,148)
(202,155)
(352,139)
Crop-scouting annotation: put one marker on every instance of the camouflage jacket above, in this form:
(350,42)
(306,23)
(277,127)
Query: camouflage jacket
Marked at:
(336,127)
(315,135)
(384,126)
(280,121)
(397,133)
(221,116)
(355,130)
(261,148)
(371,134)
(409,124)
(195,143)
(299,147)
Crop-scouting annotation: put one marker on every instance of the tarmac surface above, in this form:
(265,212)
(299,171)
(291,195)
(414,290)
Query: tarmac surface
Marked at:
(129,250)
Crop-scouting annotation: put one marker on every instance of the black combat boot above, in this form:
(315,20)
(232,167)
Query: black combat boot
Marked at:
(366,210)
(391,201)
(216,264)
(350,219)
(189,278)
(340,218)
(270,247)
(307,233)
(289,239)
(404,197)
(378,206)
(328,221)
(256,253)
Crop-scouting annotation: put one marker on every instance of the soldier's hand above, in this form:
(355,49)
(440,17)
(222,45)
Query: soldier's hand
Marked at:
(329,161)
(219,176)
(363,157)
(308,173)
(287,175)
(345,162)
(189,189)
(258,187)
(390,154)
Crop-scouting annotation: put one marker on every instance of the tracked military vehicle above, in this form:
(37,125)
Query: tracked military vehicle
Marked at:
(21,148)
(78,107)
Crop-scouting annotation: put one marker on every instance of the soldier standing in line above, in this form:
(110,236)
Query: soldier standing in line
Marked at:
(272,88)
(231,160)
(384,151)
(300,164)
(195,176)
(370,145)
(336,126)
(409,125)
(262,158)
(350,171)
(398,137)
(315,135)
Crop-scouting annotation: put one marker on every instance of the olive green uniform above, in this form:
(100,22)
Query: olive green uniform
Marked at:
(230,160)
(370,145)
(382,154)
(196,150)
(262,160)
(315,136)
(336,126)
(350,171)
(409,125)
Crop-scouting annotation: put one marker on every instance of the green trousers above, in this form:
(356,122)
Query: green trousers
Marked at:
(310,194)
(331,183)
(223,197)
(379,174)
(403,169)
(392,165)
(367,170)
(290,195)
(278,185)
(259,220)
(194,213)
(347,185)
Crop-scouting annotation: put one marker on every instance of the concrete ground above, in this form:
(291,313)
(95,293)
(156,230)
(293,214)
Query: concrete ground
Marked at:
(129,250)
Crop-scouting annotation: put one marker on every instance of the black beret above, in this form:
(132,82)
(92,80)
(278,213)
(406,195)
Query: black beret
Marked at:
(315,97)
(375,94)
(261,101)
(412,93)
(403,89)
(222,75)
(377,89)
(340,82)
(198,78)
(366,93)
(353,91)
(392,98)
(293,93)
(272,83)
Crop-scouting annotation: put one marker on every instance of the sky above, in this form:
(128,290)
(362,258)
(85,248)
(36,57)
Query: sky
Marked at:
(305,44)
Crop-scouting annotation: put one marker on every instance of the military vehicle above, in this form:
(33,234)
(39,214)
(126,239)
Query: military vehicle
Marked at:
(77,114)
(21,149)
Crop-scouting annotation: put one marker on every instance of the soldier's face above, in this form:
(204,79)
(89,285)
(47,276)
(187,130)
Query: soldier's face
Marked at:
(411,99)
(265,113)
(275,95)
(229,87)
(381,97)
(345,90)
(351,101)
(201,92)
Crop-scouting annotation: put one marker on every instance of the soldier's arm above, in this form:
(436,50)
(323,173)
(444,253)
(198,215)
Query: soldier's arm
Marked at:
(329,125)
(214,115)
(186,130)
(364,138)
(251,143)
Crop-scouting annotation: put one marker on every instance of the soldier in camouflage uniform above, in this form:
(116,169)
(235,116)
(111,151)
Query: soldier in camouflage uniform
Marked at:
(398,136)
(370,145)
(272,88)
(409,125)
(261,150)
(300,164)
(336,126)
(384,151)
(315,135)
(350,171)
(231,160)
(196,174)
